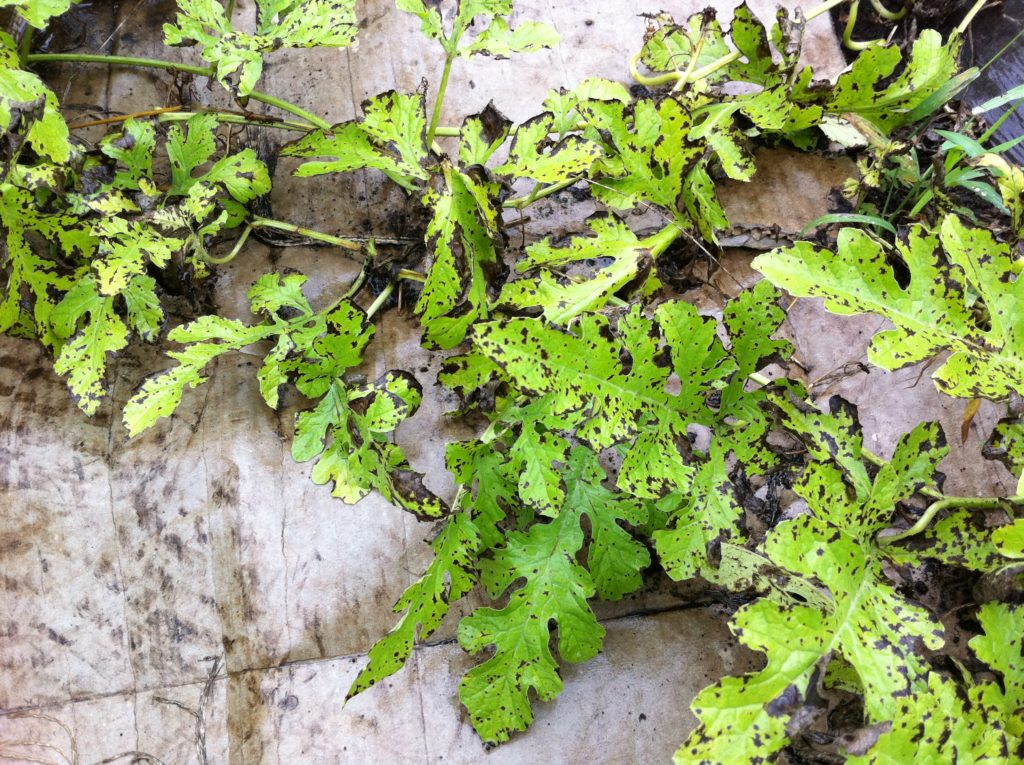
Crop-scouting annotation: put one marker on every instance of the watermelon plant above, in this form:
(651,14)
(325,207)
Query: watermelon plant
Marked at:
(622,432)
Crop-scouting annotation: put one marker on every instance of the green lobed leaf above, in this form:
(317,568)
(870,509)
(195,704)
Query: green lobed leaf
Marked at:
(937,724)
(535,155)
(237,57)
(31,278)
(869,90)
(564,104)
(497,692)
(482,135)
(501,41)
(877,632)
(491,486)
(1006,444)
(391,138)
(743,719)
(463,239)
(933,313)
(38,12)
(962,539)
(614,557)
(429,15)
(1001,647)
(450,576)
(671,47)
(649,148)
(27,106)
(562,298)
(706,516)
(347,436)
(93,329)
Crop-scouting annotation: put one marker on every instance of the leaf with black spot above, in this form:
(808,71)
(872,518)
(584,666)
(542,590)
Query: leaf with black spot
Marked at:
(463,238)
(237,56)
(391,137)
(934,312)
(450,576)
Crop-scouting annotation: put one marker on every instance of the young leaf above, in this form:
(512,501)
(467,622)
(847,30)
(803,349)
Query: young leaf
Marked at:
(501,41)
(534,155)
(206,338)
(463,238)
(931,314)
(241,174)
(1006,444)
(562,298)
(429,15)
(237,57)
(346,433)
(83,358)
(391,138)
(27,105)
(650,151)
(450,576)
(38,12)
(869,90)
(32,279)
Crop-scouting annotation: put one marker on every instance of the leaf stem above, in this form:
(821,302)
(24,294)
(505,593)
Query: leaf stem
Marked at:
(413,276)
(539,192)
(25,46)
(382,298)
(970,503)
(124,118)
(91,58)
(647,80)
(449,59)
(658,243)
(291,108)
(975,10)
(236,118)
(234,250)
(280,225)
(173,66)
(851,22)
(886,14)
(364,273)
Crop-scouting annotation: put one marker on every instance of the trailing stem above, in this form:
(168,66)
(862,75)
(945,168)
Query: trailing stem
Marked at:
(172,66)
(449,59)
(950,503)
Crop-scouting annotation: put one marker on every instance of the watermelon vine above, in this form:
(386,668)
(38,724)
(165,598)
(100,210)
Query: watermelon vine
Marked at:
(620,429)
